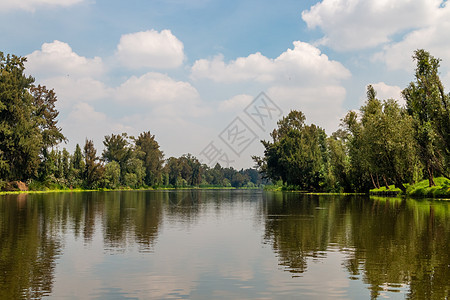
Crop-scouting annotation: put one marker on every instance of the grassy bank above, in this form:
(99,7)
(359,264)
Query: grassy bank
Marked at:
(420,189)
(67,190)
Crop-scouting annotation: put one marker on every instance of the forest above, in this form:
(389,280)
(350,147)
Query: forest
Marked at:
(29,136)
(382,144)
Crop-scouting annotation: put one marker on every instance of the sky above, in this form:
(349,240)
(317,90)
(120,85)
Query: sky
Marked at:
(210,77)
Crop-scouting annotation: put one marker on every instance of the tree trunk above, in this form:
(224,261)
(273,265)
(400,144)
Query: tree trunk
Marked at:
(378,182)
(430,177)
(373,181)
(400,186)
(385,182)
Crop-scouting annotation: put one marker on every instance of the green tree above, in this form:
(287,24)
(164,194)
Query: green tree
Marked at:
(359,174)
(339,160)
(429,106)
(28,121)
(93,170)
(152,157)
(173,169)
(118,149)
(134,172)
(297,154)
(388,139)
(21,139)
(112,175)
(77,163)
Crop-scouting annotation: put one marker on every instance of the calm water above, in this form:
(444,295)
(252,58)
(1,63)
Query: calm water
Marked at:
(222,245)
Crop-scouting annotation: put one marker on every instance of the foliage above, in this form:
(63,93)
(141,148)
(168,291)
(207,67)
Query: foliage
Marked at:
(382,145)
(429,106)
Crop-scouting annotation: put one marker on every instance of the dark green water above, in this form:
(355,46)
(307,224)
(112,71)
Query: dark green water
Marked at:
(222,245)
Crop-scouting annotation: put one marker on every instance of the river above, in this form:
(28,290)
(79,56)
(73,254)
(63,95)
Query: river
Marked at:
(222,244)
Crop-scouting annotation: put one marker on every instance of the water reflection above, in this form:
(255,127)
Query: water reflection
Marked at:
(221,244)
(390,243)
(28,249)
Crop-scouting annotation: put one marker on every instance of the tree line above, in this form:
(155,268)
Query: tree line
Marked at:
(29,134)
(383,144)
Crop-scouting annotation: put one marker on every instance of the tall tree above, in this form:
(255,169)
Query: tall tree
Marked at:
(427,103)
(388,140)
(360,174)
(339,159)
(28,121)
(20,137)
(44,101)
(93,170)
(152,157)
(296,155)
(117,148)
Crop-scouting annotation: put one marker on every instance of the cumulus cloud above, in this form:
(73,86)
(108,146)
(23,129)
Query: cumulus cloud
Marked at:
(31,5)
(84,121)
(304,63)
(385,91)
(398,55)
(155,87)
(150,49)
(58,59)
(321,105)
(73,90)
(236,103)
(360,24)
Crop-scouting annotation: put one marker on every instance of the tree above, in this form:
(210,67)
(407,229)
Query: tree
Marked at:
(28,121)
(117,148)
(134,172)
(77,163)
(152,157)
(337,145)
(297,154)
(93,170)
(429,106)
(21,139)
(388,140)
(360,174)
(44,101)
(112,174)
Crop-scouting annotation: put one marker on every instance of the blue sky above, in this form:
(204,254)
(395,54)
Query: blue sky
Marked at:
(186,69)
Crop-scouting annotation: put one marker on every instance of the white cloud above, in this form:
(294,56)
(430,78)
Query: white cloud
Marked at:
(73,90)
(150,49)
(305,63)
(155,87)
(385,92)
(58,59)
(360,24)
(399,55)
(321,105)
(85,122)
(236,103)
(31,5)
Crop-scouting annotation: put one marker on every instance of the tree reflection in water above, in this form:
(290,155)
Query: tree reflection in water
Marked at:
(390,242)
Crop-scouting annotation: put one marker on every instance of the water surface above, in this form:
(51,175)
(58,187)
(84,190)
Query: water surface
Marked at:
(222,245)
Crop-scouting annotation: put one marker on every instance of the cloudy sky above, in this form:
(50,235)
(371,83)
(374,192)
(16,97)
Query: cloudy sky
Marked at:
(189,71)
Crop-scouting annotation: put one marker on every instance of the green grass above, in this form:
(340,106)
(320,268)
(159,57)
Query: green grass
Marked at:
(384,190)
(65,190)
(420,189)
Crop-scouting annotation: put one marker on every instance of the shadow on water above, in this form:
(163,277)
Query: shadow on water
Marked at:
(389,243)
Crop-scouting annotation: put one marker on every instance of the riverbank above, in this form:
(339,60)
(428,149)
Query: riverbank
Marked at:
(67,190)
(418,190)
